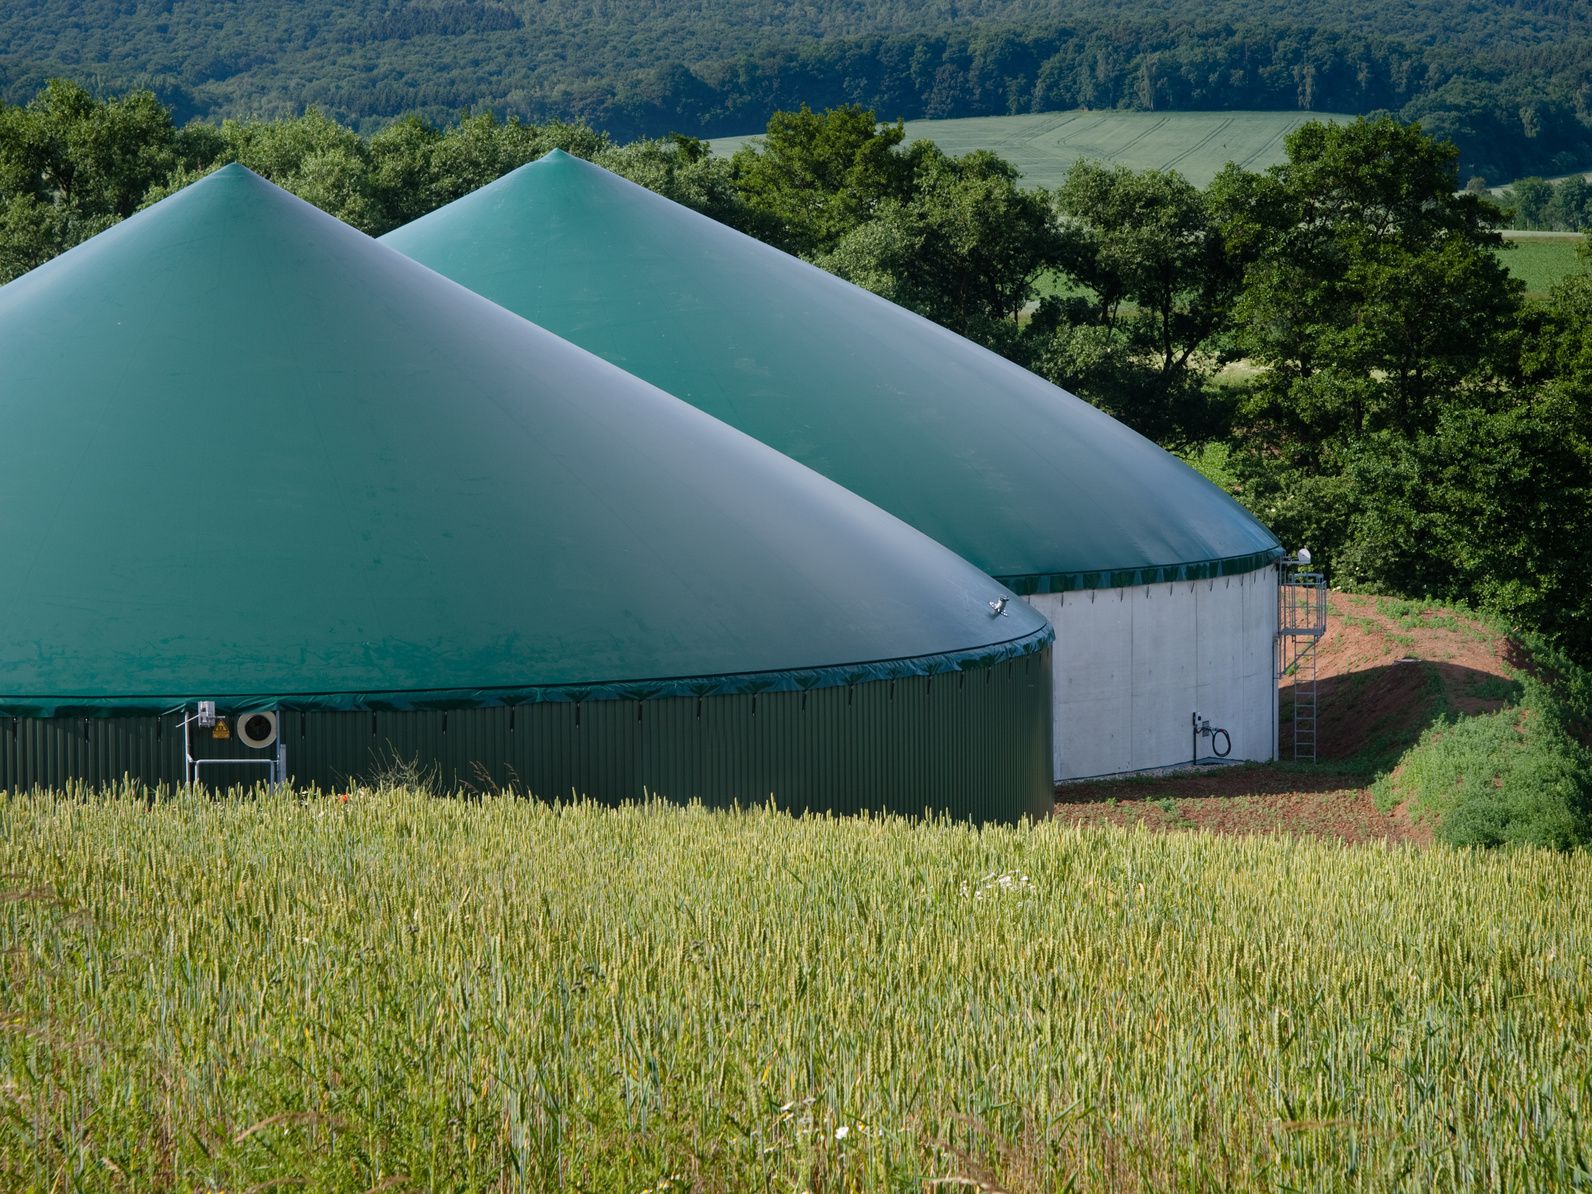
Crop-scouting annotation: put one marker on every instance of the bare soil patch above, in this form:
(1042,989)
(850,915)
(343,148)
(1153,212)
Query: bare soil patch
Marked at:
(1386,670)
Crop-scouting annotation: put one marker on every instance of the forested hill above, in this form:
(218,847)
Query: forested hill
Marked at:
(1507,80)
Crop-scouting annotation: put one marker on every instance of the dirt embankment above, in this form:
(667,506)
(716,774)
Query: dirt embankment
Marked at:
(1386,668)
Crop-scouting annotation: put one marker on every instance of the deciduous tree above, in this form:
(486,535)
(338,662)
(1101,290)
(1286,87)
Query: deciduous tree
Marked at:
(963,245)
(816,176)
(1155,283)
(1377,295)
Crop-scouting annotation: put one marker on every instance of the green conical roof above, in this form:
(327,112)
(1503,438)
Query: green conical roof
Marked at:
(252,455)
(1023,479)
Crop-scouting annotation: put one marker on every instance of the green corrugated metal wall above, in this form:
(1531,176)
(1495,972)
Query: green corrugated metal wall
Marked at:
(975,744)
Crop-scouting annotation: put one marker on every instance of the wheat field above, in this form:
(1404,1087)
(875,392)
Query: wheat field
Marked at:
(387,990)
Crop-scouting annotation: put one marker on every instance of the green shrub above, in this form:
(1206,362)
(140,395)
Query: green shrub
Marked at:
(1520,776)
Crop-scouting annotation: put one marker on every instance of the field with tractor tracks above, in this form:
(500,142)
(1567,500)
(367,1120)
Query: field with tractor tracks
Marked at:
(1043,145)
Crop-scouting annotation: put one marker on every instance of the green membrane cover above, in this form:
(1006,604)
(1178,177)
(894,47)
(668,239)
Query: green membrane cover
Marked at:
(252,455)
(1030,483)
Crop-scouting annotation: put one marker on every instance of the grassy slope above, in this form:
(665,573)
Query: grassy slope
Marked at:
(1519,774)
(456,995)
(1042,146)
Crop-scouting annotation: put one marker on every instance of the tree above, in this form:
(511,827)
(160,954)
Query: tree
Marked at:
(416,167)
(313,156)
(1155,284)
(31,233)
(1513,488)
(1377,294)
(72,165)
(401,171)
(962,247)
(1419,429)
(1529,199)
(683,169)
(1570,209)
(817,176)
(1529,478)
(86,156)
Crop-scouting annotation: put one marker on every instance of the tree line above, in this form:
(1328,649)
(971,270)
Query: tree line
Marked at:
(1506,82)
(1543,205)
(1511,113)
(1336,339)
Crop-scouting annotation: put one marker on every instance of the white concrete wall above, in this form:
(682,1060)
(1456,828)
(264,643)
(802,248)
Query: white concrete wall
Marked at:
(1133,665)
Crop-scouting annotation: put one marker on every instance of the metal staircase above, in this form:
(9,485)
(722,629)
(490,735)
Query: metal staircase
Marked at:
(1301,621)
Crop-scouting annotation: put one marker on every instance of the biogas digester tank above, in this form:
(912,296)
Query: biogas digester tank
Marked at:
(255,458)
(1161,587)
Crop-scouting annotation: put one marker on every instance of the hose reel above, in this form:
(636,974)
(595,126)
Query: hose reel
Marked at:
(1221,744)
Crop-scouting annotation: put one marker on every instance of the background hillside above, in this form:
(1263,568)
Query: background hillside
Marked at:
(1507,81)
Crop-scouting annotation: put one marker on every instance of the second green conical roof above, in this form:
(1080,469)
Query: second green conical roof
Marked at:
(250,454)
(1032,484)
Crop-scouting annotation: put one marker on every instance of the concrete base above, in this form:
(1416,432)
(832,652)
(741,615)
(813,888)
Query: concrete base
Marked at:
(1133,665)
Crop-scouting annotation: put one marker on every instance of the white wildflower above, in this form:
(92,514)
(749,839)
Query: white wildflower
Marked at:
(995,883)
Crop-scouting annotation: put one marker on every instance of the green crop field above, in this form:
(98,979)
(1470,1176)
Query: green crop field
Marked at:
(1043,145)
(1540,259)
(398,992)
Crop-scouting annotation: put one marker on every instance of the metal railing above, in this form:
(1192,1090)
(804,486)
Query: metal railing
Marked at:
(1301,621)
(275,762)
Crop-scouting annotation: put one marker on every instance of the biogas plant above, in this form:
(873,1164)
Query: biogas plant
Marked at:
(284,504)
(347,512)
(1162,589)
